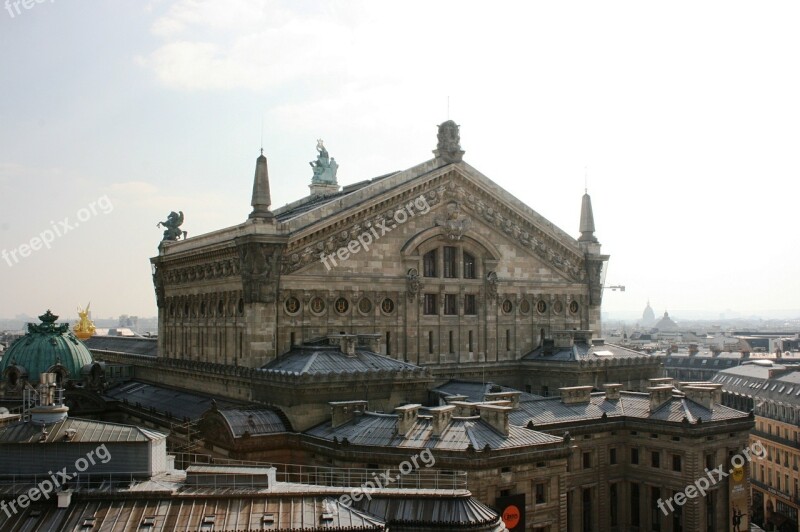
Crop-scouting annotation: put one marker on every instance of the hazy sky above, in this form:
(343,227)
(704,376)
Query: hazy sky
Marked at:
(686,114)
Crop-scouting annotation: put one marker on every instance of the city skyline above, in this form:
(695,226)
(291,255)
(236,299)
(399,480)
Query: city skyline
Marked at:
(678,120)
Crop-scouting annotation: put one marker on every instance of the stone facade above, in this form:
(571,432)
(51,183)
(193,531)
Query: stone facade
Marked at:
(438,260)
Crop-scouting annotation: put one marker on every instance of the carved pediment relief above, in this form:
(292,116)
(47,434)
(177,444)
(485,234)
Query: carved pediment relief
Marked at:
(465,204)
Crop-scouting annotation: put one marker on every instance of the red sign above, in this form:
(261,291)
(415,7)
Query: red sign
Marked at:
(511,516)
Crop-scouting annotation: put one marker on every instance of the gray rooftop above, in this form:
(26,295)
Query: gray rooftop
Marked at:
(85,431)
(253,421)
(330,360)
(380,430)
(476,391)
(551,411)
(584,351)
(124,344)
(754,380)
(179,403)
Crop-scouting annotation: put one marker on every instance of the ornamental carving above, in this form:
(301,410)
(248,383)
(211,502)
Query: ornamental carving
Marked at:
(456,223)
(491,285)
(413,284)
(259,271)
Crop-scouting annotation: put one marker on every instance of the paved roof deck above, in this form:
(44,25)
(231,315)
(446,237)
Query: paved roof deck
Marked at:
(584,351)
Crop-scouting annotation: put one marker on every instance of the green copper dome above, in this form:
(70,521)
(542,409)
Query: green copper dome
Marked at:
(46,347)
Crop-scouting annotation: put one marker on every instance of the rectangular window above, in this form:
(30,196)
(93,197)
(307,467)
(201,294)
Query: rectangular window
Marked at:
(587,460)
(635,505)
(613,502)
(655,459)
(508,339)
(655,512)
(388,344)
(710,461)
(634,456)
(429,264)
(469,266)
(449,265)
(612,456)
(587,510)
(469,342)
(676,462)
(450,347)
(470,308)
(541,493)
(431,307)
(430,342)
(450,308)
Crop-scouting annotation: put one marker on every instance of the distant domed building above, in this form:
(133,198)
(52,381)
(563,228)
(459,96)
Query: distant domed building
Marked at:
(48,347)
(648,316)
(666,323)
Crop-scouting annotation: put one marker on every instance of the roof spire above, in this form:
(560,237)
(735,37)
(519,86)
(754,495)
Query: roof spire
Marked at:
(587,220)
(261,199)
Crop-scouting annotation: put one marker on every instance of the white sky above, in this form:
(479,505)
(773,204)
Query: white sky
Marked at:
(685,113)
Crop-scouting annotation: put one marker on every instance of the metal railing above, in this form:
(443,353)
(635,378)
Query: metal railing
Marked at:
(415,478)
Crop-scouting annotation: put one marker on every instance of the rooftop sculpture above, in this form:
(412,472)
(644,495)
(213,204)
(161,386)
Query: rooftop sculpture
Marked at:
(324,167)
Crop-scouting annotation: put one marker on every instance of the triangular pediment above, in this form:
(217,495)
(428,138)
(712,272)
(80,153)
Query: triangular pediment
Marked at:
(478,200)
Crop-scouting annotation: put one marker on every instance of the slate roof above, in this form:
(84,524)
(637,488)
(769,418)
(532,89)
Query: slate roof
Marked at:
(85,431)
(476,391)
(124,344)
(309,203)
(380,430)
(112,514)
(181,404)
(253,421)
(552,411)
(310,359)
(464,511)
(584,351)
(753,380)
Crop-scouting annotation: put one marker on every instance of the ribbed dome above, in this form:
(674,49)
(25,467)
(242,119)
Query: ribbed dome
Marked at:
(44,346)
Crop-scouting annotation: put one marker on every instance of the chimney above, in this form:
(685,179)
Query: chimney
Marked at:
(548,346)
(347,343)
(495,416)
(658,396)
(662,381)
(703,395)
(406,417)
(612,391)
(344,411)
(441,418)
(371,341)
(452,399)
(511,396)
(715,351)
(464,408)
(563,339)
(64,498)
(573,395)
(693,350)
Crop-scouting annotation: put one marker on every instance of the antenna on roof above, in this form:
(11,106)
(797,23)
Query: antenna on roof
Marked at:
(262,134)
(586,179)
